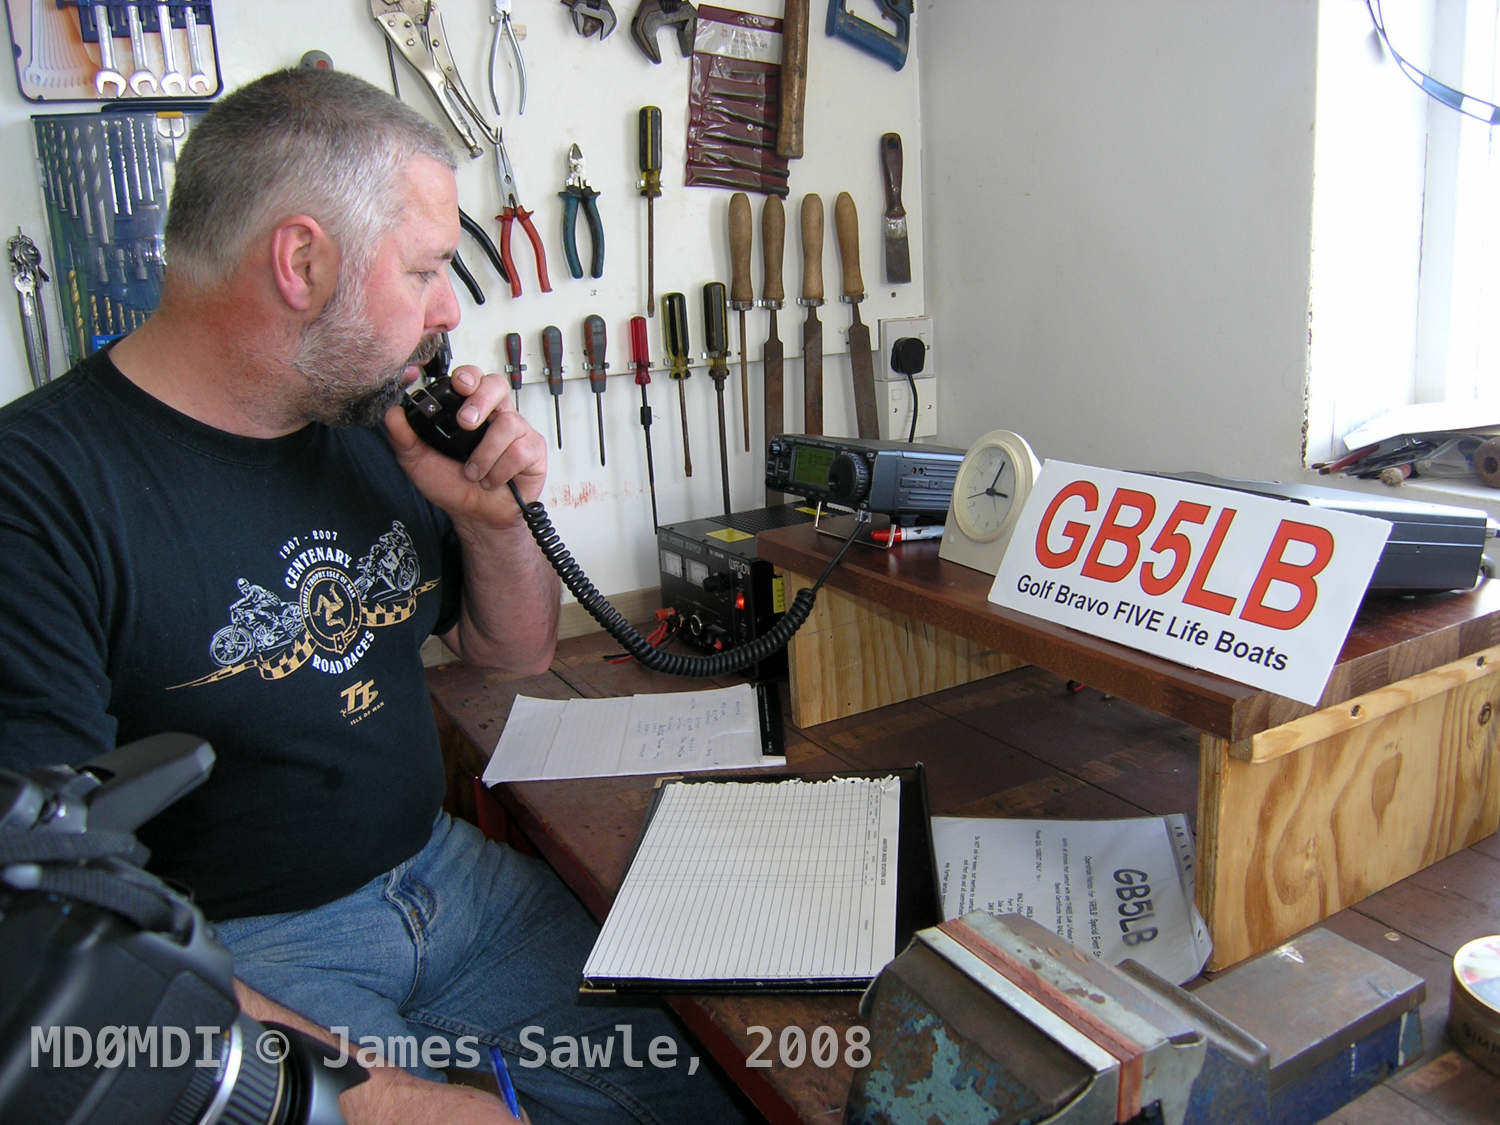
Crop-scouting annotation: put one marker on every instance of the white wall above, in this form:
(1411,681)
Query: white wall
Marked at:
(590,92)
(1119,214)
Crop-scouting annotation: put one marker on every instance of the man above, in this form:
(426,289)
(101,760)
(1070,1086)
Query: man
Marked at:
(227,447)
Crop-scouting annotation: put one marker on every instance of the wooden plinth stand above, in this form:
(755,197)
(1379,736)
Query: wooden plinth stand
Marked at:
(1287,840)
(852,655)
(1301,811)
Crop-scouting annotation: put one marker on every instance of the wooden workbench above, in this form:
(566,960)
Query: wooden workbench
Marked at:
(1016,745)
(1302,810)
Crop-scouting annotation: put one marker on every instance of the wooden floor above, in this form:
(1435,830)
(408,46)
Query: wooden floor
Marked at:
(1020,744)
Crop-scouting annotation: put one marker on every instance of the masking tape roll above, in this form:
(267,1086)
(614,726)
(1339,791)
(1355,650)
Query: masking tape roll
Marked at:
(1487,462)
(1474,1005)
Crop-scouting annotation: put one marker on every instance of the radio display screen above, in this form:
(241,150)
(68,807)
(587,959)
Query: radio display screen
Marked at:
(810,465)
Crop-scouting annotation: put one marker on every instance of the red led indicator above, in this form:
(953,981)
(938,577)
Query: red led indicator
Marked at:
(739,601)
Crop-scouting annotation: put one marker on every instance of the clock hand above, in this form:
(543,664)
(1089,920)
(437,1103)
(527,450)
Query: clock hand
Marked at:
(977,495)
(998,471)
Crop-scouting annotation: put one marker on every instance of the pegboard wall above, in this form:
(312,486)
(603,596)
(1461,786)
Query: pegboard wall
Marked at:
(589,92)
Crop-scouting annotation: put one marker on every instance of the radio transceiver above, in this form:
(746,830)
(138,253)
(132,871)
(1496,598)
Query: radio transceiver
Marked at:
(893,478)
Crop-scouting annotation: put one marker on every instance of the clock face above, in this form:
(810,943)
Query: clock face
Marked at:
(984,495)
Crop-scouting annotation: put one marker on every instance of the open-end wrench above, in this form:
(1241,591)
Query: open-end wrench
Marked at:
(107,77)
(143,80)
(173,81)
(197,81)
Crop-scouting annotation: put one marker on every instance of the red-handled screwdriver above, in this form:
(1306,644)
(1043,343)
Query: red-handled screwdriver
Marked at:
(514,366)
(640,359)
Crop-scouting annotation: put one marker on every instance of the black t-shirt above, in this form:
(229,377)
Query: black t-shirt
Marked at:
(271,596)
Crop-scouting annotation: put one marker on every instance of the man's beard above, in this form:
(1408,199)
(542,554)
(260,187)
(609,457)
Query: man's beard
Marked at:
(335,356)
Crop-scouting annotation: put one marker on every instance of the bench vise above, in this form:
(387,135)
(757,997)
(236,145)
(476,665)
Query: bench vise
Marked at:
(998,1021)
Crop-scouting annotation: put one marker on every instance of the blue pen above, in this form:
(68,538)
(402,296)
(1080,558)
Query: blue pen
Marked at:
(502,1076)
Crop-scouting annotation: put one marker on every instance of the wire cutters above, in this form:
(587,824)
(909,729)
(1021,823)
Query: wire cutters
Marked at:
(415,29)
(575,191)
(485,244)
(500,17)
(511,210)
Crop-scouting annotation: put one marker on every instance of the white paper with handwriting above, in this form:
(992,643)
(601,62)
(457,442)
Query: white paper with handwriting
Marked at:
(660,733)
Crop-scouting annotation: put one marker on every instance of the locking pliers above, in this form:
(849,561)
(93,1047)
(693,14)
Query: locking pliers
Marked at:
(415,29)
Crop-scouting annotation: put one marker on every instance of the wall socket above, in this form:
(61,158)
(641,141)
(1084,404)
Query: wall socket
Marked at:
(891,331)
(894,398)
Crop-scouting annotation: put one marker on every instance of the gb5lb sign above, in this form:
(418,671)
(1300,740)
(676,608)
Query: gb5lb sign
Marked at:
(1257,590)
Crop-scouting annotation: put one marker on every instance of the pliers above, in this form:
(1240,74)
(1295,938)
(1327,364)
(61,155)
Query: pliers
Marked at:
(467,222)
(415,29)
(500,17)
(575,191)
(511,210)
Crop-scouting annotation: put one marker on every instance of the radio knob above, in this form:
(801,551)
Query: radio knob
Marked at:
(849,479)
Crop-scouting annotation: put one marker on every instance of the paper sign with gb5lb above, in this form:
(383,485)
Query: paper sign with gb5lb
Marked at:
(1254,589)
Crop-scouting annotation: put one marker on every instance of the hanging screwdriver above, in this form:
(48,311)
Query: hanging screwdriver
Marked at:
(514,366)
(716,351)
(650,183)
(741,294)
(552,367)
(675,329)
(640,359)
(594,351)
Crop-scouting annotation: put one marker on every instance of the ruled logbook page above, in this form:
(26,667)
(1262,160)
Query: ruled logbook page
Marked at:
(762,881)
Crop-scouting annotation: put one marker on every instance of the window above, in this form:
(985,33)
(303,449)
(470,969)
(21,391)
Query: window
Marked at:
(1404,298)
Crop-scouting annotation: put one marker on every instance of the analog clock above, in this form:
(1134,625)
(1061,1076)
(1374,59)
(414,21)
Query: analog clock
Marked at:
(993,483)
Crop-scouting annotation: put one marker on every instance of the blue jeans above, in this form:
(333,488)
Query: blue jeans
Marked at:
(470,938)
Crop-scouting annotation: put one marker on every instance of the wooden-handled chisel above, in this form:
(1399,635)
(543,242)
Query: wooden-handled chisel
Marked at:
(812,327)
(595,349)
(794,27)
(861,361)
(679,349)
(741,295)
(552,367)
(716,350)
(897,250)
(772,293)
(640,359)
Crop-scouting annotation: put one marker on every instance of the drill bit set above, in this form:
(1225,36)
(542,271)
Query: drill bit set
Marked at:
(105,179)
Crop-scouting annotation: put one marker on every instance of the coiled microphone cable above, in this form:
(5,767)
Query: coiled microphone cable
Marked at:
(645,653)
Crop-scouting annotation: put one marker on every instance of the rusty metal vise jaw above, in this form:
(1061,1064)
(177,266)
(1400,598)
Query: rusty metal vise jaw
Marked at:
(883,44)
(653,15)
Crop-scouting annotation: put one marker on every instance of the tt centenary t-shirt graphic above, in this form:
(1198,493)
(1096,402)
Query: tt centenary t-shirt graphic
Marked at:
(327,619)
(269,596)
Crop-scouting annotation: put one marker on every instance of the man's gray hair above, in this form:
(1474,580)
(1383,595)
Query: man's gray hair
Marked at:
(313,142)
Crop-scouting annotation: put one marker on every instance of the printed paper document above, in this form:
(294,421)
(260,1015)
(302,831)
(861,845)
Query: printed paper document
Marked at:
(1114,888)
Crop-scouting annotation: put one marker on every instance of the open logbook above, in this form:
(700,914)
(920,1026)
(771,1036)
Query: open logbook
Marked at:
(774,883)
